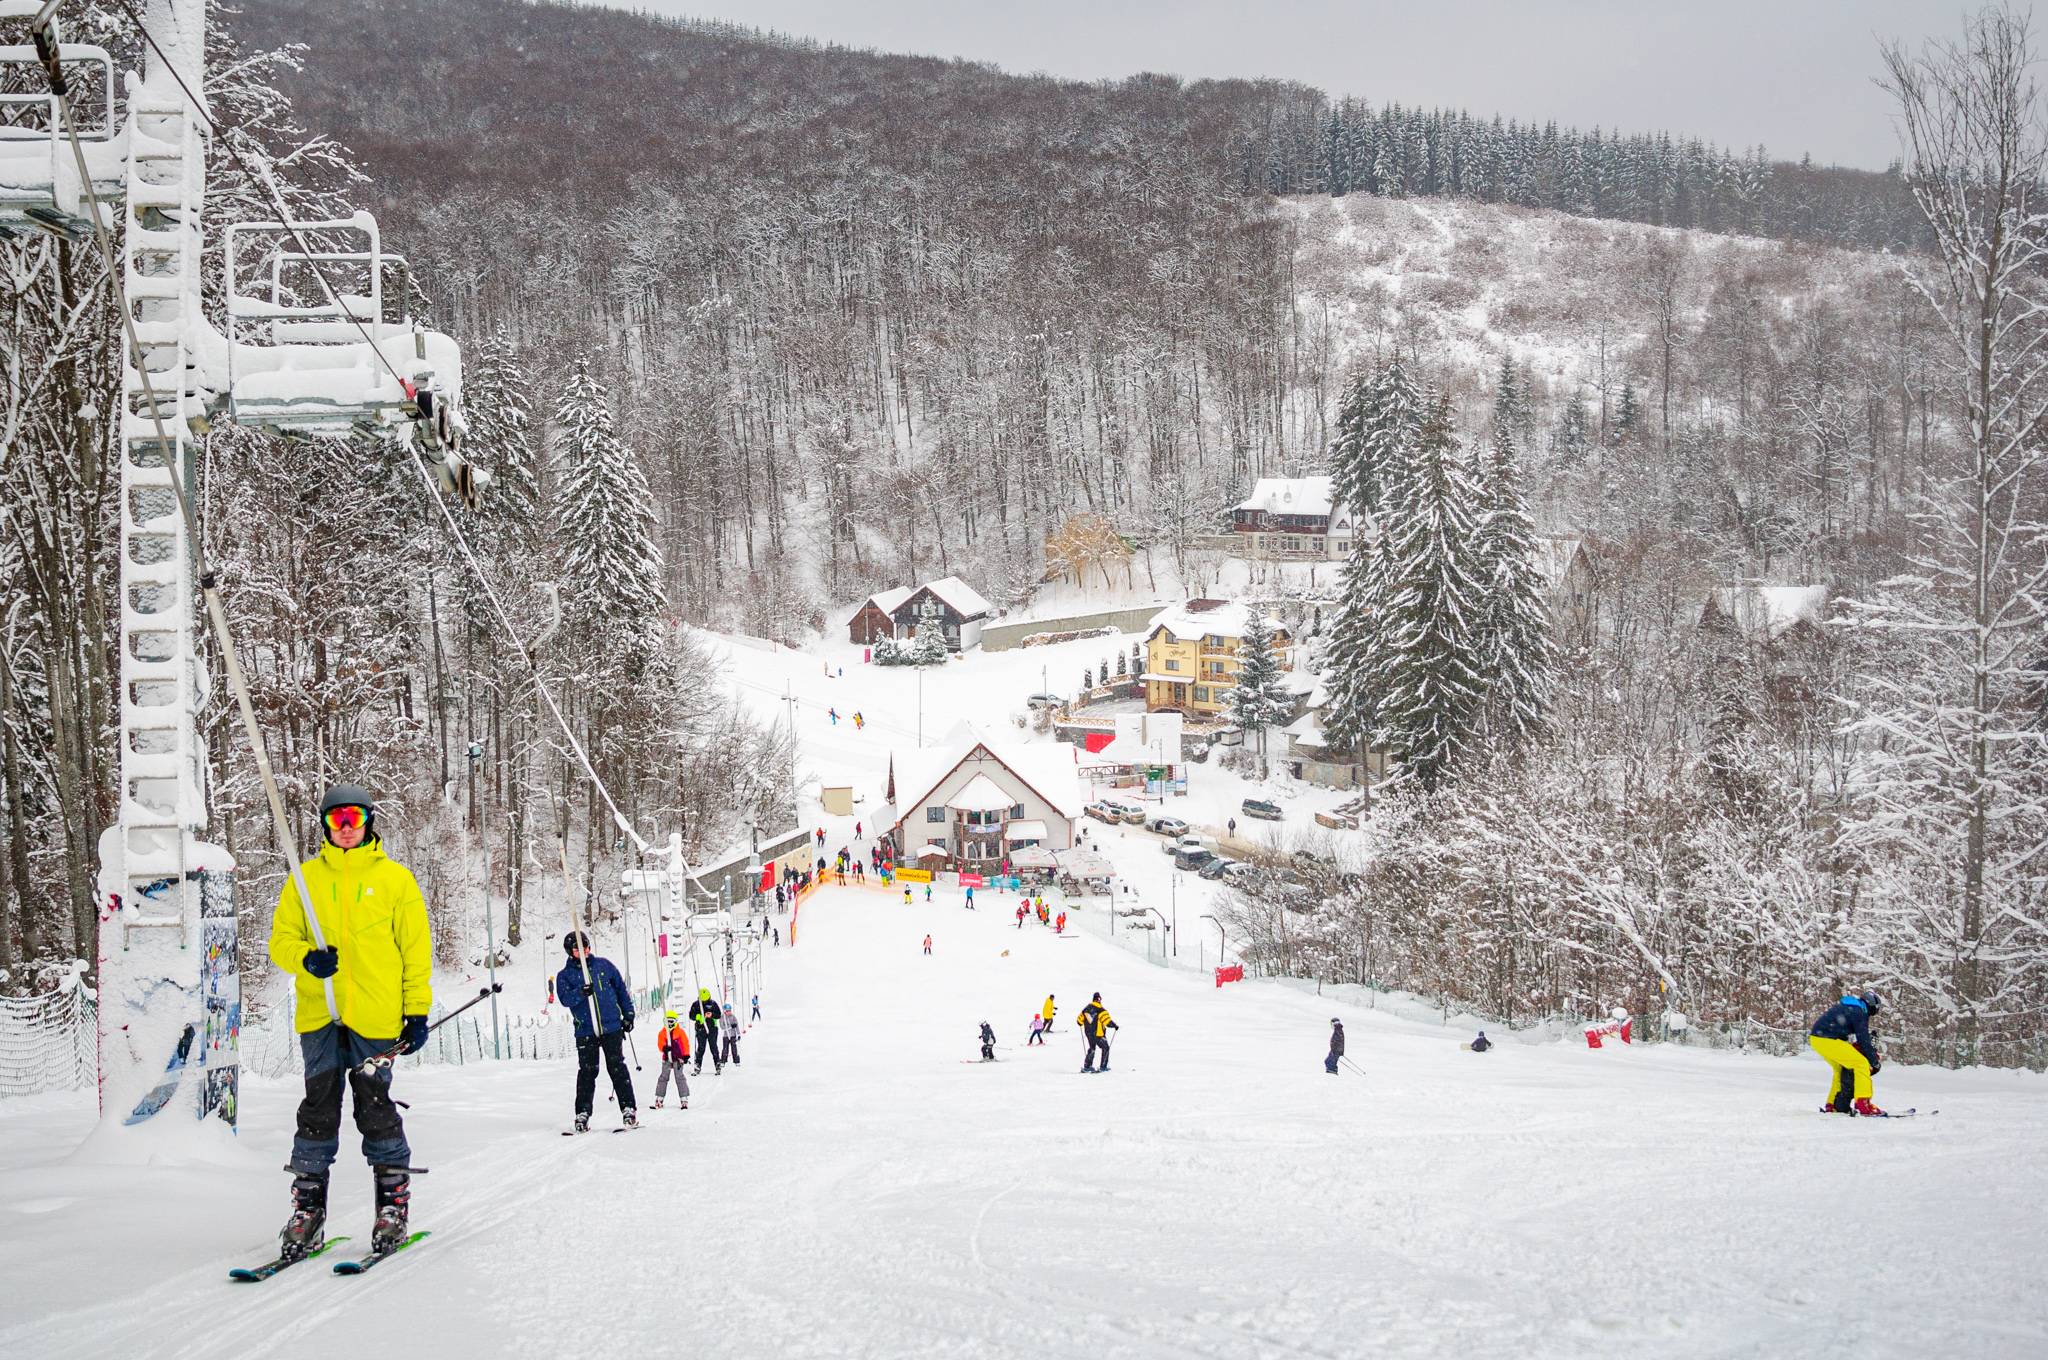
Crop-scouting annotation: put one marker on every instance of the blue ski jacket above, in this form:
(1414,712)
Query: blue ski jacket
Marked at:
(1847,1019)
(614,1005)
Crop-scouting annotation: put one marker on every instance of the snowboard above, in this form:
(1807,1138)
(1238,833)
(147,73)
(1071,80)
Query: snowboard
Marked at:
(254,1274)
(168,1087)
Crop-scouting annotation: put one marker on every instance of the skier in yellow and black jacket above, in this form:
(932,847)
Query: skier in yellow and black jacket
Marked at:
(1096,1024)
(377,964)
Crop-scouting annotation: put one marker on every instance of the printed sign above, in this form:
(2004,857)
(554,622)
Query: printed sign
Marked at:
(914,875)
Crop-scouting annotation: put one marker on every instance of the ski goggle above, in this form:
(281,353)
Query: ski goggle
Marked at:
(346,819)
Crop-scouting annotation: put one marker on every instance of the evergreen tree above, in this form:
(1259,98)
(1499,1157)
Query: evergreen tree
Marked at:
(1260,699)
(500,440)
(1376,423)
(1631,410)
(610,564)
(1432,682)
(1514,649)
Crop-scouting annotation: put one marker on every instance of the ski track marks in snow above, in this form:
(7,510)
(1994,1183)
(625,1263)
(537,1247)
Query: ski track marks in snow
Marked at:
(853,1190)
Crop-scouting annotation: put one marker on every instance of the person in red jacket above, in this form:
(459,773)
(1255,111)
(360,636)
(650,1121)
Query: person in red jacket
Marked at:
(673,1043)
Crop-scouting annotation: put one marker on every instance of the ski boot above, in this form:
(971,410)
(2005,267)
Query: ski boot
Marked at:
(682,1104)
(394,1194)
(631,1120)
(305,1230)
(583,1123)
(656,1105)
(1868,1110)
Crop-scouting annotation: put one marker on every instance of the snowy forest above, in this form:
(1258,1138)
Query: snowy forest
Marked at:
(755,327)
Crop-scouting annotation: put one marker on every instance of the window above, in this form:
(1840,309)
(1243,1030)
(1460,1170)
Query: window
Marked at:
(1319,545)
(1201,694)
(1016,810)
(1217,668)
(935,814)
(1172,665)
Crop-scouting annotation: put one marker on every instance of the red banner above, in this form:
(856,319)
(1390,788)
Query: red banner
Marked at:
(661,945)
(973,881)
(1095,741)
(768,876)
(1234,973)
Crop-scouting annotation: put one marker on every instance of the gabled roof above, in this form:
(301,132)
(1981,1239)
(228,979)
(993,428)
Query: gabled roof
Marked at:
(889,601)
(1764,613)
(1554,555)
(1292,496)
(1224,618)
(981,795)
(1046,770)
(963,598)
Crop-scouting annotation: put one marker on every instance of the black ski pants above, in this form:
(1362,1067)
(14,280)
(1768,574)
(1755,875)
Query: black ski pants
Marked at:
(613,1045)
(708,1043)
(330,1054)
(1096,1041)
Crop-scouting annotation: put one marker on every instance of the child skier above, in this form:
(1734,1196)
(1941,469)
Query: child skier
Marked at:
(1336,1046)
(380,975)
(673,1043)
(927,944)
(1842,1036)
(988,1043)
(1037,1031)
(605,995)
(731,1030)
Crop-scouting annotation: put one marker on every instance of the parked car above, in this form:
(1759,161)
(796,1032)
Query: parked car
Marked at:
(1235,869)
(1126,812)
(1189,840)
(1165,825)
(1217,867)
(1263,810)
(1044,701)
(1101,812)
(1191,857)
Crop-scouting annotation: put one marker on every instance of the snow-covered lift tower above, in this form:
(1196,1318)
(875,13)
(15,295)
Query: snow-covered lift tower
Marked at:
(337,365)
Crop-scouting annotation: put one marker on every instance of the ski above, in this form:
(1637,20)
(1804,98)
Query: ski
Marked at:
(253,1274)
(361,1264)
(168,1087)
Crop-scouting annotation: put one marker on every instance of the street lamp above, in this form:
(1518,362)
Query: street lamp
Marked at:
(1222,944)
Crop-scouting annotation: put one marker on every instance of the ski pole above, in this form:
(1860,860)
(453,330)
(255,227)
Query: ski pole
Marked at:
(1352,1065)
(383,1059)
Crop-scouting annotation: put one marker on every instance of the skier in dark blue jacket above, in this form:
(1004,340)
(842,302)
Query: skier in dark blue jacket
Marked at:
(605,993)
(1842,1036)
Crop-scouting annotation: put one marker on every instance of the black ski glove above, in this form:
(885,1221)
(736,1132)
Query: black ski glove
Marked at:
(626,1025)
(322,963)
(1876,1066)
(589,990)
(415,1036)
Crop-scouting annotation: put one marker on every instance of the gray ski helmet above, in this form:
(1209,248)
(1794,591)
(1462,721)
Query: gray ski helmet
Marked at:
(350,795)
(1871,1002)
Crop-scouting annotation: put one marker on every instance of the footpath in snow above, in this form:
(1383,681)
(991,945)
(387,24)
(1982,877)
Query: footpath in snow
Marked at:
(857,1189)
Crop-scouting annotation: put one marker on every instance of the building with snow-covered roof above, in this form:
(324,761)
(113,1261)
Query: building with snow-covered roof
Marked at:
(1296,519)
(1191,655)
(1765,613)
(949,605)
(972,800)
(876,618)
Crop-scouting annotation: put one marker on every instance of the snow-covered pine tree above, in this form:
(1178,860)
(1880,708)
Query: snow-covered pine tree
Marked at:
(1513,643)
(499,412)
(1375,425)
(1432,683)
(1260,699)
(610,563)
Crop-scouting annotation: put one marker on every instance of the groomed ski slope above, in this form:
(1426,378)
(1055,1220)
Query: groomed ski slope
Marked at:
(856,1189)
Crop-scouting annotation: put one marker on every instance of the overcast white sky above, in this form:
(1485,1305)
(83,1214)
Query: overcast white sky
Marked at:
(1794,75)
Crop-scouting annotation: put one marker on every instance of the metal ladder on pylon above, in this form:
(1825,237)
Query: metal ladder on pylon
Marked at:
(163,802)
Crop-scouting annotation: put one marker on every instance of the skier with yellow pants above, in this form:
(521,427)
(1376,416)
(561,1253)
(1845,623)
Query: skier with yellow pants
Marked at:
(377,963)
(1842,1036)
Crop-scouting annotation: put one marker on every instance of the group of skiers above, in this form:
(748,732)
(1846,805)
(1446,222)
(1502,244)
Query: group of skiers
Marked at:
(1035,906)
(361,957)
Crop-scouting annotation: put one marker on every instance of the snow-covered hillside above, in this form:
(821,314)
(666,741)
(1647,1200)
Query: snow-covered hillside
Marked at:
(857,1187)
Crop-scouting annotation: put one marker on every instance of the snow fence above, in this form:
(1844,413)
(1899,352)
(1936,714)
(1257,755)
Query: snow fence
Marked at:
(48,1042)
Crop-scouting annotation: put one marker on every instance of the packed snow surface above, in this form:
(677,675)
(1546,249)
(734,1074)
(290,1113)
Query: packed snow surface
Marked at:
(859,1188)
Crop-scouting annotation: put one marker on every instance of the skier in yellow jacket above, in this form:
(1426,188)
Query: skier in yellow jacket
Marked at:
(374,957)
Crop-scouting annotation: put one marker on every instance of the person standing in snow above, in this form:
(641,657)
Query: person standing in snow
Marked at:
(970,897)
(673,1044)
(1842,1036)
(1020,916)
(988,1043)
(756,1002)
(1336,1046)
(732,1029)
(705,1015)
(1047,1012)
(906,894)
(1037,1031)
(1096,1024)
(927,944)
(605,995)
(379,959)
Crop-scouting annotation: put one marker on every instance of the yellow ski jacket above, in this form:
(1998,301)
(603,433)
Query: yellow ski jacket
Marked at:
(370,910)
